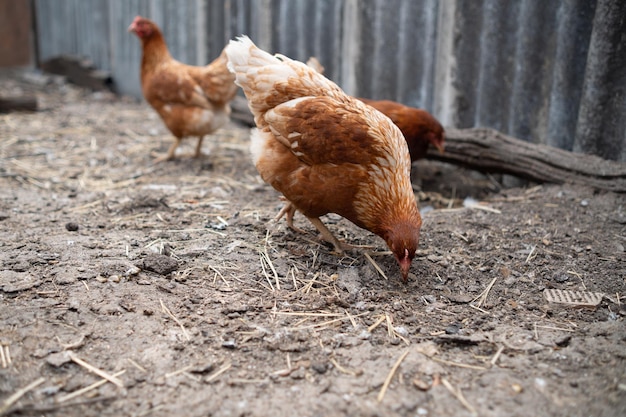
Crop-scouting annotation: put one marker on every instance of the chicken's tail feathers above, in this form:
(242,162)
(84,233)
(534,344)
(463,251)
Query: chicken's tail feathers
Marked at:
(239,51)
(269,80)
(245,58)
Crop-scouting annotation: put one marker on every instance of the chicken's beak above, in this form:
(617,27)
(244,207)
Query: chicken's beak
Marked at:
(133,26)
(440,147)
(405,265)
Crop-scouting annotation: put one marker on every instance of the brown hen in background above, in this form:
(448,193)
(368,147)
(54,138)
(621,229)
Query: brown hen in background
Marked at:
(191,100)
(419,128)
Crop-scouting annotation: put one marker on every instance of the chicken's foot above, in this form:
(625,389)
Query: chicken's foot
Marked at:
(288,211)
(170,152)
(340,247)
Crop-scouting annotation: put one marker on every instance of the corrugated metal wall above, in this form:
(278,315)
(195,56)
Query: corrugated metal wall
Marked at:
(545,71)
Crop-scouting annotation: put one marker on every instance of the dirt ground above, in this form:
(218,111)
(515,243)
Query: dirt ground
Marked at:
(172,279)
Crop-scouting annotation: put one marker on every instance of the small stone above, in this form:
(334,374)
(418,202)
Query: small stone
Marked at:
(584,203)
(365,335)
(401,330)
(229,344)
(453,329)
(430,299)
(58,359)
(161,264)
(71,226)
(563,341)
(421,385)
(133,270)
(319,367)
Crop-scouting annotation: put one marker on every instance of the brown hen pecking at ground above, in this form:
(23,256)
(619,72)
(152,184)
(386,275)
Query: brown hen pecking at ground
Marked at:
(327,152)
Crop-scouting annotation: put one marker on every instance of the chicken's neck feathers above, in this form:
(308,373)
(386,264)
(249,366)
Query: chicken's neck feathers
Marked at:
(155,52)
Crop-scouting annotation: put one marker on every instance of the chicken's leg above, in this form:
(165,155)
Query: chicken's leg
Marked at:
(170,152)
(329,237)
(198,153)
(288,211)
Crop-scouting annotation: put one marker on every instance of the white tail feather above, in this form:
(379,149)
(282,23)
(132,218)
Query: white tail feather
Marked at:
(258,73)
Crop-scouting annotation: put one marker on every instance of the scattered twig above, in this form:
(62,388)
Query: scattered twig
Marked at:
(95,370)
(169,313)
(344,370)
(482,297)
(377,323)
(351,319)
(179,371)
(555,328)
(375,265)
(305,313)
(395,367)
(391,331)
(73,345)
(19,394)
(457,234)
(217,373)
(577,275)
(460,365)
(530,254)
(3,358)
(326,323)
(265,259)
(88,388)
(478,308)
(136,365)
(459,396)
(496,356)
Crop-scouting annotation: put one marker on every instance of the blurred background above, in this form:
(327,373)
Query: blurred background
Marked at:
(545,71)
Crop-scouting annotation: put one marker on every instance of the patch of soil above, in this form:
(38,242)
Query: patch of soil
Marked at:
(172,279)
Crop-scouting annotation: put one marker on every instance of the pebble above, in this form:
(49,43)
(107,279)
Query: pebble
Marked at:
(430,299)
(229,344)
(133,270)
(71,226)
(161,264)
(453,329)
(401,330)
(319,367)
(58,359)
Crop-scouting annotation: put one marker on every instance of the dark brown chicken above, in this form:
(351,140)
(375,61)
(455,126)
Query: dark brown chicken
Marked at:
(420,128)
(191,100)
